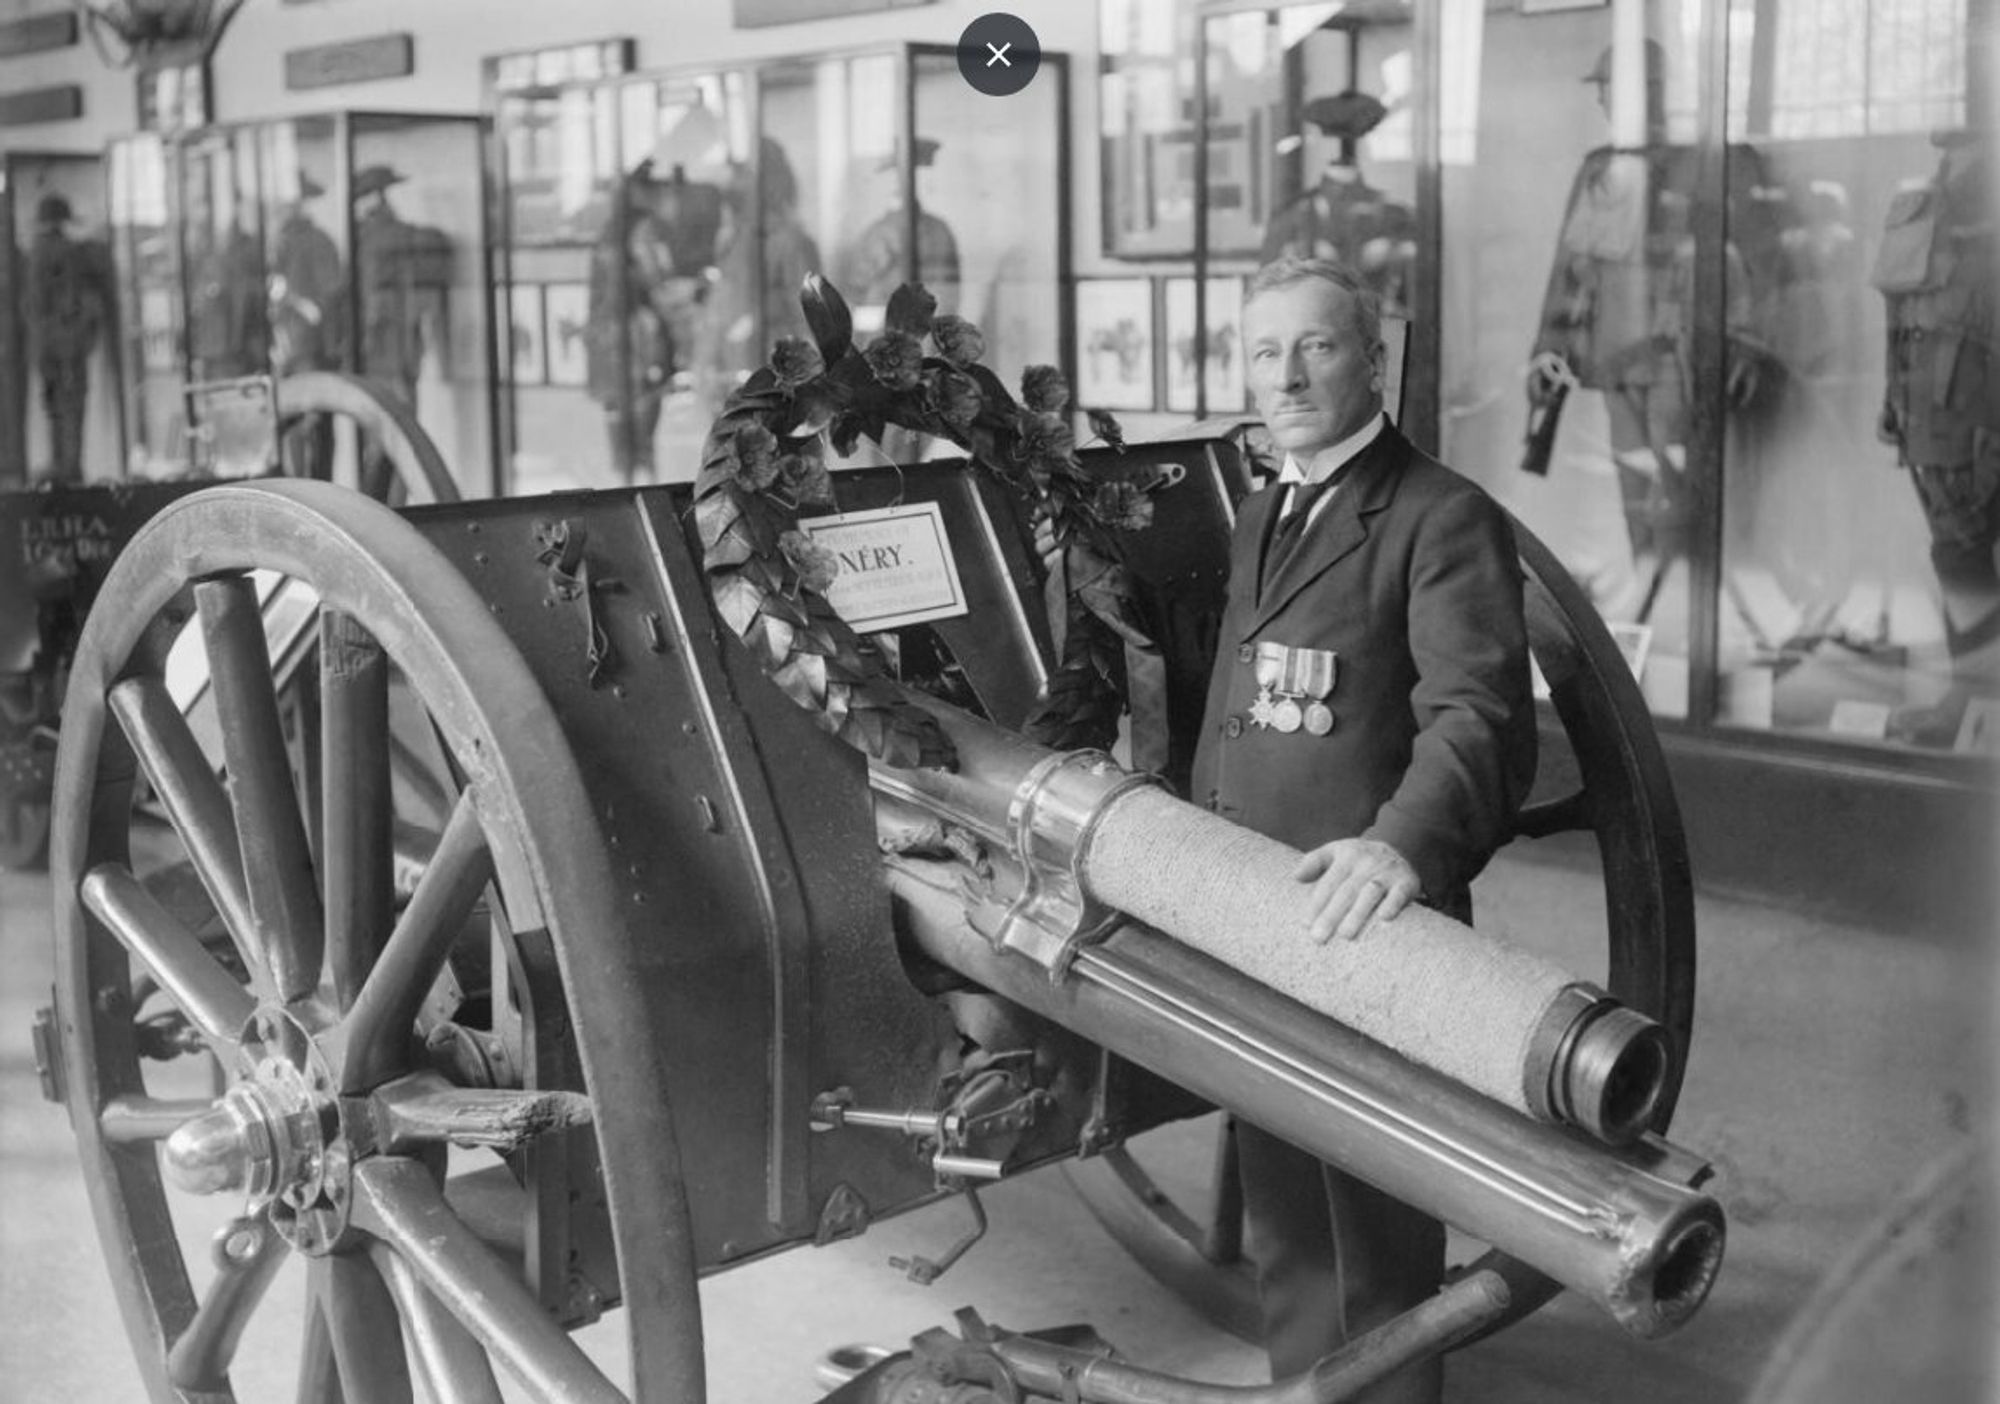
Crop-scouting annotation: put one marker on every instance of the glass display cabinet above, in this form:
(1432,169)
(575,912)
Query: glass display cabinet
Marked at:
(658,227)
(1740,336)
(351,241)
(1303,144)
(58,400)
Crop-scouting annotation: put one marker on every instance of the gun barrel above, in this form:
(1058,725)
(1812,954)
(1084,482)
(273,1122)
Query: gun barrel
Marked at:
(1092,842)
(1602,1223)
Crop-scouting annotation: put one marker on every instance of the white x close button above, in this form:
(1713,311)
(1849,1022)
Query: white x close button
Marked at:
(999,54)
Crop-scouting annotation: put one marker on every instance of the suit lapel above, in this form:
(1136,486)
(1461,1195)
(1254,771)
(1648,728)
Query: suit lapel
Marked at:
(1340,529)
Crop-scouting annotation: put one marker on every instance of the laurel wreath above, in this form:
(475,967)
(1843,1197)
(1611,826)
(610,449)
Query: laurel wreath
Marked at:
(764,464)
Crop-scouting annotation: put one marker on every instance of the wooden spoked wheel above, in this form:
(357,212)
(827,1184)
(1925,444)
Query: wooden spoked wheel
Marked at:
(407,1156)
(1613,784)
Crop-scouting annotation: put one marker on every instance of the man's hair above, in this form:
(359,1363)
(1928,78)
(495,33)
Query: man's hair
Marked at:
(1289,270)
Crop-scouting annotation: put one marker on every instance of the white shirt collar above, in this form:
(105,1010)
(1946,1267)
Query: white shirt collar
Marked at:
(1329,461)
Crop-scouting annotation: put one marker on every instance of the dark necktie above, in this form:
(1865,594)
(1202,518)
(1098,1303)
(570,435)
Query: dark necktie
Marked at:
(1292,526)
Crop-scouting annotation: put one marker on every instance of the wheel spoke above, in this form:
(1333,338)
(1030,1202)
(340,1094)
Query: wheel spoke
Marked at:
(416,1112)
(452,1365)
(397,1201)
(357,820)
(194,799)
(377,1031)
(366,1331)
(319,1378)
(133,1120)
(247,1256)
(1557,816)
(194,979)
(277,860)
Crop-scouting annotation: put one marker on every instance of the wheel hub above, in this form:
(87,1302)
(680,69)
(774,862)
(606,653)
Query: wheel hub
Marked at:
(275,1136)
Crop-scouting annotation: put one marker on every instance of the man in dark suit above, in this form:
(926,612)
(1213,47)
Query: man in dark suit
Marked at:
(1371,705)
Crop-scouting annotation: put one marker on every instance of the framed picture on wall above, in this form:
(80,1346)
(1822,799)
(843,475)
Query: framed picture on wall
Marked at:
(1114,343)
(527,338)
(1222,355)
(565,318)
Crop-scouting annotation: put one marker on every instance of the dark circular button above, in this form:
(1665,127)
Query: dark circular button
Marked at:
(1245,653)
(1233,728)
(998,54)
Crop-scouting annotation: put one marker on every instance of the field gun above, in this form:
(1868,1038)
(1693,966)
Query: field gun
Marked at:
(572,966)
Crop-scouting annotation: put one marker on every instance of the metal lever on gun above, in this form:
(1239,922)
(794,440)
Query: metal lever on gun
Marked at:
(835,1109)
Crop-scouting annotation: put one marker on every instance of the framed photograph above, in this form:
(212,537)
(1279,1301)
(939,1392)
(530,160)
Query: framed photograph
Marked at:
(526,336)
(1114,343)
(566,316)
(1217,357)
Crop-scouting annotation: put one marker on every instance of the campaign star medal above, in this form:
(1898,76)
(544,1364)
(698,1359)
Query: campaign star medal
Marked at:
(1270,672)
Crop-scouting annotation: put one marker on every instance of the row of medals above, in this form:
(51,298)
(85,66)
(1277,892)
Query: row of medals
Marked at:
(1292,685)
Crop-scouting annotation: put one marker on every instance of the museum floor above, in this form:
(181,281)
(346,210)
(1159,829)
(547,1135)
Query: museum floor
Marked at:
(1832,1066)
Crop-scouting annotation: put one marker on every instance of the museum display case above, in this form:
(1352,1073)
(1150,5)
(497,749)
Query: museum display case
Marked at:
(1680,318)
(658,226)
(58,400)
(352,242)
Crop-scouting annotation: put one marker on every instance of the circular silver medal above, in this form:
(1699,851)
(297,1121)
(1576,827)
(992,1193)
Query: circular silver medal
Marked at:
(1319,719)
(1286,716)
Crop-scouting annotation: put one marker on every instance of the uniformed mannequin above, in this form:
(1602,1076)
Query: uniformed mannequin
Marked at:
(393,259)
(1617,319)
(628,356)
(68,305)
(875,267)
(1941,402)
(651,273)
(227,332)
(308,315)
(308,321)
(1342,216)
(1370,704)
(767,276)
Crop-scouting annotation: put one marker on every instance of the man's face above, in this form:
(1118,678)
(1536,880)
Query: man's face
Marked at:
(1314,379)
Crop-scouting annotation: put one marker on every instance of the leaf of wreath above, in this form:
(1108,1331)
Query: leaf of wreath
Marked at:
(780,606)
(803,679)
(773,635)
(736,600)
(827,317)
(714,515)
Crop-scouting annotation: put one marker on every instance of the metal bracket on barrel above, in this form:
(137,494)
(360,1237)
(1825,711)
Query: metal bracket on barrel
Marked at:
(1050,821)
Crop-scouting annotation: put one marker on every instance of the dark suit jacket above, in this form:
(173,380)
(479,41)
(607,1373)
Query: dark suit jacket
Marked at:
(1410,576)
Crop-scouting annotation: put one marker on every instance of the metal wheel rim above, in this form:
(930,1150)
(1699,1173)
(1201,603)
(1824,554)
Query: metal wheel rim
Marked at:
(1643,850)
(370,565)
